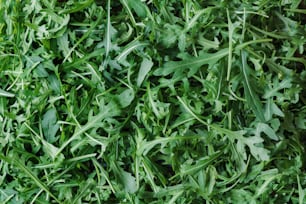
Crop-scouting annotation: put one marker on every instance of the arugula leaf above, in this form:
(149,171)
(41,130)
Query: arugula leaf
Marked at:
(145,68)
(94,121)
(110,31)
(6,94)
(192,64)
(251,96)
(138,7)
(136,101)
(126,97)
(125,178)
(29,173)
(49,125)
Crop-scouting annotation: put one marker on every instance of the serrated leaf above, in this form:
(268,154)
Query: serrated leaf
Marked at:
(274,91)
(262,127)
(253,142)
(108,110)
(272,109)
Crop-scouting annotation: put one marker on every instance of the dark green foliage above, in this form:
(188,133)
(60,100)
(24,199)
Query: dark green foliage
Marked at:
(152,101)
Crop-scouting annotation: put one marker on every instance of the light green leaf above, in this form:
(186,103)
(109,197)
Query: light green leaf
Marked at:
(272,109)
(49,125)
(51,150)
(262,127)
(134,45)
(254,142)
(274,91)
(6,94)
(126,97)
(138,7)
(54,83)
(110,31)
(125,178)
(77,6)
(63,44)
(145,67)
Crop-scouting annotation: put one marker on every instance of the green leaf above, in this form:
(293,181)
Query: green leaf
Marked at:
(125,178)
(63,44)
(152,101)
(253,143)
(126,97)
(145,67)
(108,110)
(201,164)
(6,94)
(40,71)
(54,83)
(274,91)
(160,109)
(110,31)
(134,45)
(192,64)
(49,125)
(30,174)
(77,6)
(302,192)
(51,150)
(272,109)
(138,7)
(262,127)
(251,96)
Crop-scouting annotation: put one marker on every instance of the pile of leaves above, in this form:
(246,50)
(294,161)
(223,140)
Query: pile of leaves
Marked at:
(152,101)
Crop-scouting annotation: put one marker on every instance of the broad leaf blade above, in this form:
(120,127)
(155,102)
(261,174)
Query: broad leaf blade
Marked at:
(145,67)
(49,125)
